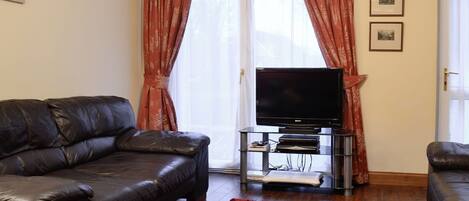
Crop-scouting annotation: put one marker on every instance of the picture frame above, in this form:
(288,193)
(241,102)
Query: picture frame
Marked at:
(17,1)
(387,8)
(386,36)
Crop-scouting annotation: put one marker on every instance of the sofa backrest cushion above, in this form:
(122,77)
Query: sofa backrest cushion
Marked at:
(29,140)
(26,125)
(82,118)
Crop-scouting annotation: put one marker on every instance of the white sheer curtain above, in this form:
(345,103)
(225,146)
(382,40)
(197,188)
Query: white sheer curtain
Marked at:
(222,38)
(459,62)
(283,36)
(205,79)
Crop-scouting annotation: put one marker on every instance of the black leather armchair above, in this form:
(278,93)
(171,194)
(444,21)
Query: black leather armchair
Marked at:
(87,148)
(448,177)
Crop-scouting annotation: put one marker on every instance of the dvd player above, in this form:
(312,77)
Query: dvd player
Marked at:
(303,139)
(298,144)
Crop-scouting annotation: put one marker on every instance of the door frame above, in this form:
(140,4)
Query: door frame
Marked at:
(442,61)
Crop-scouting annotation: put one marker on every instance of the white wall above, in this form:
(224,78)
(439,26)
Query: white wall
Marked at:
(61,48)
(399,97)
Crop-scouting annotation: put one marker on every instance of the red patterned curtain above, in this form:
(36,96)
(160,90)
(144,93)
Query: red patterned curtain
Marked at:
(334,27)
(164,25)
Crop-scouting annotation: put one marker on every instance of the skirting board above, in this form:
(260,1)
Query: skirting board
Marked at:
(398,179)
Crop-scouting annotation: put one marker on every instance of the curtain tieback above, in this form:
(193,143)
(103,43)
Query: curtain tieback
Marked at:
(352,81)
(158,82)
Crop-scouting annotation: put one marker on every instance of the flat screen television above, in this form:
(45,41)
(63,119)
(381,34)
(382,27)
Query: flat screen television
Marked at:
(299,97)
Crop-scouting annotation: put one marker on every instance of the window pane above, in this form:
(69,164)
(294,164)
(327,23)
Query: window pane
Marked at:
(459,62)
(284,35)
(205,78)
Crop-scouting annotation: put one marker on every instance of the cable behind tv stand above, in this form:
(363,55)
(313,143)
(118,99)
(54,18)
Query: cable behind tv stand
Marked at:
(300,130)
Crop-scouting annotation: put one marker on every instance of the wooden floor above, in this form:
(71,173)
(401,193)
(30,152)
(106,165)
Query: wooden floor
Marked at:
(224,187)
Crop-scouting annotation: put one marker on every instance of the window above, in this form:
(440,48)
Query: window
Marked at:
(205,79)
(284,35)
(205,82)
(459,62)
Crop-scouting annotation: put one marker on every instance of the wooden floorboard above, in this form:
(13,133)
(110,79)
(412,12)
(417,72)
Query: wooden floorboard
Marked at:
(224,187)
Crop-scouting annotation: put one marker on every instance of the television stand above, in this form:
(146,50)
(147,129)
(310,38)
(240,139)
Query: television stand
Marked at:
(300,130)
(337,178)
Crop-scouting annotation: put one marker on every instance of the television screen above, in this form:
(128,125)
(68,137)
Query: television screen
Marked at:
(299,97)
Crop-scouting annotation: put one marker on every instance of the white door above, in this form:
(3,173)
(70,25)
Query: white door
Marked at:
(453,117)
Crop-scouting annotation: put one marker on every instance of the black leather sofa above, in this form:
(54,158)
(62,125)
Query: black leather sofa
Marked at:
(87,148)
(448,177)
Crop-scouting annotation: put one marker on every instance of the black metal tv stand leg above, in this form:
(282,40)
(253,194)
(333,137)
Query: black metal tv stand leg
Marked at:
(244,163)
(265,155)
(348,173)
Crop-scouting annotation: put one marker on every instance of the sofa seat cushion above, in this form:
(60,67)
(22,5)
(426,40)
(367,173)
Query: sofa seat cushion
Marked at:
(133,176)
(449,185)
(107,188)
(19,188)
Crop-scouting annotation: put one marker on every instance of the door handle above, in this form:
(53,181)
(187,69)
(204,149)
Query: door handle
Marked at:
(241,75)
(446,74)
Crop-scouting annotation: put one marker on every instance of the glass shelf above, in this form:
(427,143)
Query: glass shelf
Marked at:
(323,150)
(328,182)
(276,130)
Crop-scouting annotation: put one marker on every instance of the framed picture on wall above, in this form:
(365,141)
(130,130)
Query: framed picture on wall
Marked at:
(386,8)
(386,36)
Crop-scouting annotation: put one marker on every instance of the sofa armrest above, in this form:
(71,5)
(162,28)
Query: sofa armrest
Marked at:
(183,143)
(20,188)
(448,156)
(190,144)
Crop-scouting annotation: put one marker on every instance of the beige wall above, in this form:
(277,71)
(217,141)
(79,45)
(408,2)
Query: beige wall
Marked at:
(61,48)
(399,97)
